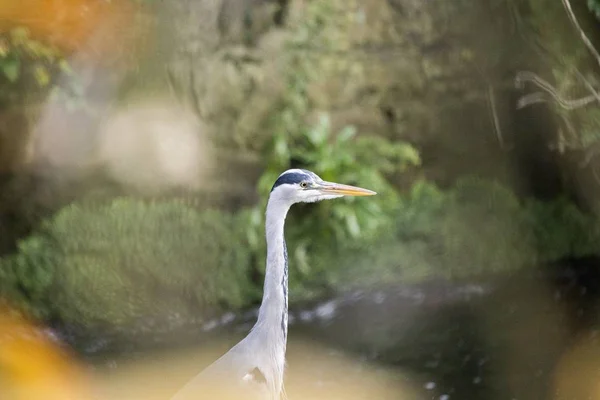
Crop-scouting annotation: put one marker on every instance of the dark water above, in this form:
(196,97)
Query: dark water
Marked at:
(499,338)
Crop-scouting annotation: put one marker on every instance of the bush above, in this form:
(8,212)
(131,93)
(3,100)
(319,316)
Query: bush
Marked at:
(560,228)
(112,264)
(476,228)
(319,229)
(484,230)
(26,277)
(316,231)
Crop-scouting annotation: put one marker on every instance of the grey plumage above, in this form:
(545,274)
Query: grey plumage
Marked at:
(254,368)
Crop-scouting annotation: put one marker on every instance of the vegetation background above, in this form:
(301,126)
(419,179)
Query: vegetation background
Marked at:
(139,140)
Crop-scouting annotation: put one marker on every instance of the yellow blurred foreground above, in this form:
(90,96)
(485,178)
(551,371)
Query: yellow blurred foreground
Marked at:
(33,366)
(314,373)
(103,29)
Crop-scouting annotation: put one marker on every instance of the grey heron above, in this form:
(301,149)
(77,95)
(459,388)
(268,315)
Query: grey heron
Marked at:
(256,364)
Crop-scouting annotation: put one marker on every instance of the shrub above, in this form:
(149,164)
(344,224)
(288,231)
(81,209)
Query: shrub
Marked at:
(115,263)
(484,230)
(317,230)
(560,229)
(476,228)
(25,277)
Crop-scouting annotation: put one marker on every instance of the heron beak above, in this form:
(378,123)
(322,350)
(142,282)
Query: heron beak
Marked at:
(346,190)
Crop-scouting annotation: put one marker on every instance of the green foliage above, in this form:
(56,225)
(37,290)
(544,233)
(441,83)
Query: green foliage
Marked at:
(420,211)
(315,27)
(559,228)
(476,228)
(342,156)
(16,46)
(26,276)
(115,263)
(112,264)
(318,229)
(29,67)
(346,158)
(594,6)
(484,229)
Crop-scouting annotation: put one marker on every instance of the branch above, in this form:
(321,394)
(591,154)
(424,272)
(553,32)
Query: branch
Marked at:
(584,37)
(495,119)
(588,84)
(539,97)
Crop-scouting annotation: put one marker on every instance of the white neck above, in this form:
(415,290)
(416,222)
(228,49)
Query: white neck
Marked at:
(274,307)
(270,329)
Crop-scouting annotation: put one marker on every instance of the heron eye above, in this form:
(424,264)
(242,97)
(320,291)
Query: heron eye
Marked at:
(304,184)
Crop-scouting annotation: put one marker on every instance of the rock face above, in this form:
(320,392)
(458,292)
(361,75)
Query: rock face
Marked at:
(439,75)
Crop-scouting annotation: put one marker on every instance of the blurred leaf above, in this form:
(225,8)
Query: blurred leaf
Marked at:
(25,58)
(281,149)
(301,258)
(4,48)
(352,224)
(65,67)
(346,134)
(41,75)
(594,6)
(11,68)
(86,261)
(409,154)
(319,133)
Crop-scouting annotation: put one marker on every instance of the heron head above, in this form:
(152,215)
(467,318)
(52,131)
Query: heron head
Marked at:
(303,186)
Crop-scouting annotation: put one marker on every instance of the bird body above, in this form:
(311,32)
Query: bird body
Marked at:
(256,364)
